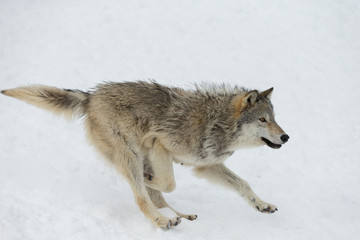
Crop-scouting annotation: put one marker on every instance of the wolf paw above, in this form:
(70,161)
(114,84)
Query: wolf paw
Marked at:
(191,217)
(262,206)
(266,208)
(167,223)
(148,177)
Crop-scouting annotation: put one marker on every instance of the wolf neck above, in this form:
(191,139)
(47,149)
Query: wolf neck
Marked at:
(206,128)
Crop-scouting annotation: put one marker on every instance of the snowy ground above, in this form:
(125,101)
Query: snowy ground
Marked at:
(54,186)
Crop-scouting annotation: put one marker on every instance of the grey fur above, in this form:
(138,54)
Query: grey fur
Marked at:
(143,127)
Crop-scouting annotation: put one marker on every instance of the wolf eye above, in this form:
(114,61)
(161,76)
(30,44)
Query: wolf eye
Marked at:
(262,119)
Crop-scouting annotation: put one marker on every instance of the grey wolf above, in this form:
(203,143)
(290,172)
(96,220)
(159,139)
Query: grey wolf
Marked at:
(142,128)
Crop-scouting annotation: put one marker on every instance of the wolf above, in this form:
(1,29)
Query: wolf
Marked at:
(142,128)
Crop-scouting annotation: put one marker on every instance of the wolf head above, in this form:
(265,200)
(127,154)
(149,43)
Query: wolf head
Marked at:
(256,123)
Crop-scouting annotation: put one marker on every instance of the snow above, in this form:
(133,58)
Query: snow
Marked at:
(53,185)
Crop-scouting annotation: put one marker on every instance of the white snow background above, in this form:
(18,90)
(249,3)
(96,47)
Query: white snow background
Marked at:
(53,185)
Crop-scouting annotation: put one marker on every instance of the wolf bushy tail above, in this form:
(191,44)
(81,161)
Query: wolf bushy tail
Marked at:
(70,103)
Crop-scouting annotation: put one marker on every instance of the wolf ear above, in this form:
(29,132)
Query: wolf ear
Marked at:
(267,94)
(250,98)
(244,101)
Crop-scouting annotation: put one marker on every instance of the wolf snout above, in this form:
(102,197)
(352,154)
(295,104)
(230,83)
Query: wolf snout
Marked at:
(284,138)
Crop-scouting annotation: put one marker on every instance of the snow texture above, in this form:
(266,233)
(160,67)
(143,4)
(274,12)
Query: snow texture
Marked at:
(53,185)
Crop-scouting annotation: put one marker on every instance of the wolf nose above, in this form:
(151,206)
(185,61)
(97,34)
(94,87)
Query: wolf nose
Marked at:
(284,138)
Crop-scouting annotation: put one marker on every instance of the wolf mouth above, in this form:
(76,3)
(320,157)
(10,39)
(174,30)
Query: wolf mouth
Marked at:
(271,144)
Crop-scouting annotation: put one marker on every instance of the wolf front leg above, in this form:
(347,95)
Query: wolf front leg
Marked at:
(159,201)
(158,167)
(159,174)
(220,174)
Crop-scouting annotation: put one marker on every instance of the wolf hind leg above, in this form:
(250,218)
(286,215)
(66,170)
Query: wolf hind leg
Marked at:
(126,161)
(158,199)
(131,169)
